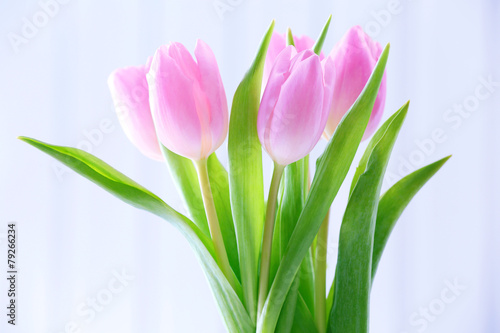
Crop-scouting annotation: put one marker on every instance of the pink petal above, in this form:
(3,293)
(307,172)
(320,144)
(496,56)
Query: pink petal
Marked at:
(355,57)
(130,95)
(297,114)
(276,45)
(278,75)
(173,98)
(211,85)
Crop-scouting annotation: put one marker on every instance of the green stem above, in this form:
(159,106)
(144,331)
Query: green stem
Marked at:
(320,275)
(267,240)
(213,222)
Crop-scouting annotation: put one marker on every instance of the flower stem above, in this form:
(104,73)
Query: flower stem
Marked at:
(320,275)
(267,240)
(213,222)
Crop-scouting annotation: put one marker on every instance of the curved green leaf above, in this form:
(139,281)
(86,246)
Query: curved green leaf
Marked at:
(124,188)
(332,168)
(393,203)
(245,174)
(185,177)
(351,300)
(369,149)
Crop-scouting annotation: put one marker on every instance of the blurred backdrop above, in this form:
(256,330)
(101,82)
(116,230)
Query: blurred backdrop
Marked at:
(441,269)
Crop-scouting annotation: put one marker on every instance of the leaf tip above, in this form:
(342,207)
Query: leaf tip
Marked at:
(329,20)
(25,139)
(290,40)
(273,22)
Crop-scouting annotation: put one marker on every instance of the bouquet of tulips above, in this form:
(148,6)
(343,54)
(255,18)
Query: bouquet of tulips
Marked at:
(266,261)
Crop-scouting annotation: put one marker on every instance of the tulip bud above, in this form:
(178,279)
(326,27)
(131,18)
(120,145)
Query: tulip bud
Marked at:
(355,57)
(278,44)
(188,101)
(129,90)
(295,105)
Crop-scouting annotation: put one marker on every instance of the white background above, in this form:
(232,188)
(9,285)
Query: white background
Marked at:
(73,235)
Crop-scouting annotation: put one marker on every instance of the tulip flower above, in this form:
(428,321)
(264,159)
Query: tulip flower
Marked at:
(292,116)
(295,105)
(355,56)
(129,90)
(189,108)
(278,44)
(188,101)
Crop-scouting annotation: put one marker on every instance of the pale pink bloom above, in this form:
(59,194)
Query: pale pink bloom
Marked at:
(278,44)
(188,101)
(295,105)
(129,90)
(354,56)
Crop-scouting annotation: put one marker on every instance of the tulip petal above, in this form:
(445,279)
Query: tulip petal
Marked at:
(305,42)
(355,57)
(129,91)
(277,44)
(213,88)
(173,104)
(329,76)
(184,60)
(297,115)
(278,75)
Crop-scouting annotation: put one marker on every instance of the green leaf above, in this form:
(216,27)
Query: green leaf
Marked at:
(245,174)
(186,178)
(293,198)
(219,183)
(294,187)
(285,320)
(351,300)
(321,39)
(332,168)
(124,188)
(393,203)
(368,151)
(304,320)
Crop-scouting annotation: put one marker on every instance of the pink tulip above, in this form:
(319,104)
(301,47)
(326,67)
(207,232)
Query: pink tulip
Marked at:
(129,90)
(278,44)
(295,105)
(355,57)
(188,101)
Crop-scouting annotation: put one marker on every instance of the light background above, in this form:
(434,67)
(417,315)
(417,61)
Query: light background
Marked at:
(73,235)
